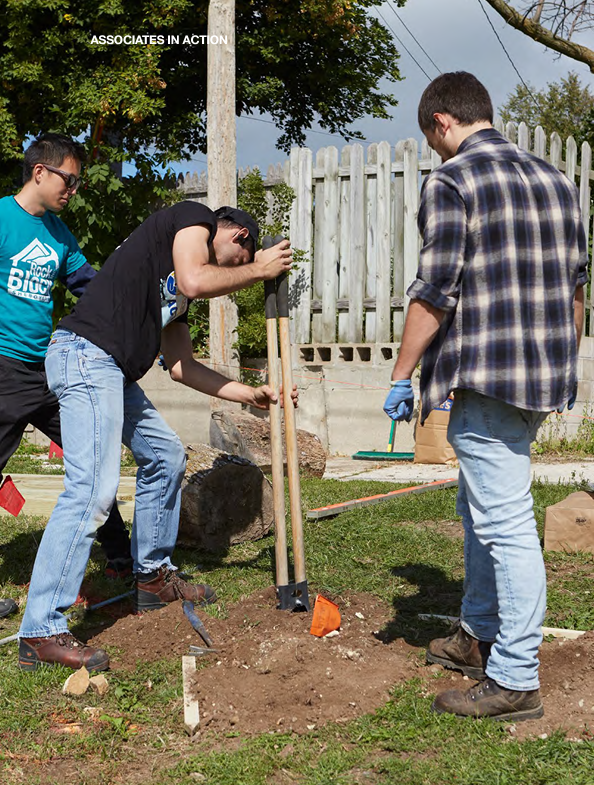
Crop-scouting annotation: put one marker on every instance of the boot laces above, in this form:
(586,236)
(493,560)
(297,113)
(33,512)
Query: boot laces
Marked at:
(68,640)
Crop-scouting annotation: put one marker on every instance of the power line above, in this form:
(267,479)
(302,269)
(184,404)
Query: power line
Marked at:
(410,32)
(529,91)
(307,130)
(402,44)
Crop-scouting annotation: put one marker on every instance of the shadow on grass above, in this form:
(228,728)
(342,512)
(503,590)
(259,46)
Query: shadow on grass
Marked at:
(436,593)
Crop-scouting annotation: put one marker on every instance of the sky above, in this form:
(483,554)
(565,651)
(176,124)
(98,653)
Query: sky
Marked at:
(457,36)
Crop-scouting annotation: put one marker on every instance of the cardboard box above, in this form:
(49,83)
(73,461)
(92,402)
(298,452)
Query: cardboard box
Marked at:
(569,524)
(431,438)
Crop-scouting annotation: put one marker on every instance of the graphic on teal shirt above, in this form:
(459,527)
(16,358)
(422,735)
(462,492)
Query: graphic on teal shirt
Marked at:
(33,272)
(34,252)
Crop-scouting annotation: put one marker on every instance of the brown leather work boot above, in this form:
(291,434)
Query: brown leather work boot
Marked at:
(164,586)
(460,651)
(62,649)
(488,699)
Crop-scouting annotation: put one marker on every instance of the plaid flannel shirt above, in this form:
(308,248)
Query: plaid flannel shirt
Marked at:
(503,251)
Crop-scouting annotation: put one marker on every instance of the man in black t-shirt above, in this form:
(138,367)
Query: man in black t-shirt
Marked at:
(136,305)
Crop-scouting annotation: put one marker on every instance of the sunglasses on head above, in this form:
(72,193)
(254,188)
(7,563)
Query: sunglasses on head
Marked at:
(71,181)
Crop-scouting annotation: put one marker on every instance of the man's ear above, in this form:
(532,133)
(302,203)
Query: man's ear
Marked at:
(443,123)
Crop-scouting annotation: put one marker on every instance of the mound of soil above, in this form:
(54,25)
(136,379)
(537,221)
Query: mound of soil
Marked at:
(270,674)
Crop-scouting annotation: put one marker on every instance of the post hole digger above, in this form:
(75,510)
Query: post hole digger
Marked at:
(291,596)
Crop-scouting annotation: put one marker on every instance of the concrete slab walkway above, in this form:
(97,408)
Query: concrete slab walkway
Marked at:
(417,473)
(41,491)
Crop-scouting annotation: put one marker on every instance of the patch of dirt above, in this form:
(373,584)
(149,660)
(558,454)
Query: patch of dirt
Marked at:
(270,674)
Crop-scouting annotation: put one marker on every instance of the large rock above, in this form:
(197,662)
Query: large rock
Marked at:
(249,436)
(226,500)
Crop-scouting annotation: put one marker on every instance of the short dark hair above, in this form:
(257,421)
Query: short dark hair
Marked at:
(458,94)
(50,149)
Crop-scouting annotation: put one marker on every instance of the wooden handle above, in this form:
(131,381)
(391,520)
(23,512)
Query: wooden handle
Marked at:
(292,451)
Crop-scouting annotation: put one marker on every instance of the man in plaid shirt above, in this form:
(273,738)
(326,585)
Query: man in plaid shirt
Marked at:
(496,313)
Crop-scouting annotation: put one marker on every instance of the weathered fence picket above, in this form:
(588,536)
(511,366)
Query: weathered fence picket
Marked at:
(383,288)
(357,268)
(371,261)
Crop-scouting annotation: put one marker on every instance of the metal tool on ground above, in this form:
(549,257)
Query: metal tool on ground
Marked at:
(291,596)
(365,501)
(389,455)
(78,612)
(197,651)
(196,622)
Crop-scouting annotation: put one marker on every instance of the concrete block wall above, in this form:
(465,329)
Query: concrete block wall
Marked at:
(342,392)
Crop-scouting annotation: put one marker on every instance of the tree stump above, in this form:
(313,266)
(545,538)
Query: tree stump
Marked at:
(249,436)
(226,500)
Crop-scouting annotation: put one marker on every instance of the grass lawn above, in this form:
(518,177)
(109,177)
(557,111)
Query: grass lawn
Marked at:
(405,552)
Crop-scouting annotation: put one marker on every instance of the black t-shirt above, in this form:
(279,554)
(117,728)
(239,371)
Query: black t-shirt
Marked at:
(133,296)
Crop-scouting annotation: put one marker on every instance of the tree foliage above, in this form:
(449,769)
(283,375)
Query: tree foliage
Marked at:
(145,103)
(552,23)
(54,77)
(563,107)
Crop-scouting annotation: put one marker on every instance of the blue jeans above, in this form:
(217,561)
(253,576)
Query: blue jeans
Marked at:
(99,410)
(505,586)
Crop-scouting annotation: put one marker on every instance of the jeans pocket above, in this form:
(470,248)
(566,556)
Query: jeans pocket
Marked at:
(55,368)
(504,422)
(88,351)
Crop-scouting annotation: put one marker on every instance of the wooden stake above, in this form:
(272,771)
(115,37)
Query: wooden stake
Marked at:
(555,632)
(191,708)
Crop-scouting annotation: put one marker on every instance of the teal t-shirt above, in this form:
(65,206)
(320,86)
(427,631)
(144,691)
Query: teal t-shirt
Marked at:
(34,251)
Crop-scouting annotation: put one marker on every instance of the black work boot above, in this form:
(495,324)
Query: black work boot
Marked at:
(7,607)
(163,586)
(488,699)
(460,651)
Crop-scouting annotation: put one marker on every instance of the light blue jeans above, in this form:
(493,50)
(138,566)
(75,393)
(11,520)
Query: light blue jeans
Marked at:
(99,410)
(505,586)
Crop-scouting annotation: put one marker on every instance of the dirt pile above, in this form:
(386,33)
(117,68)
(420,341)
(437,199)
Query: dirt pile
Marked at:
(271,675)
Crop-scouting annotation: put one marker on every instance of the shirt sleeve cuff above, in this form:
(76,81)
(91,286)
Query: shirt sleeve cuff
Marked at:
(420,290)
(583,278)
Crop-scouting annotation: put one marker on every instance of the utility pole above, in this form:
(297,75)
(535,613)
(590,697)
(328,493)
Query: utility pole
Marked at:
(222,171)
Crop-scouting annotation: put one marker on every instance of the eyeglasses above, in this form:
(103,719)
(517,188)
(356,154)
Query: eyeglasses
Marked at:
(71,181)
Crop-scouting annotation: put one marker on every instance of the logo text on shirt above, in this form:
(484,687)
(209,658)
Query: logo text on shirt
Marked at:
(33,271)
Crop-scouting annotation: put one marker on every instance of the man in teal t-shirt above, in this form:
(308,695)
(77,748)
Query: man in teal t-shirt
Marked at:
(36,250)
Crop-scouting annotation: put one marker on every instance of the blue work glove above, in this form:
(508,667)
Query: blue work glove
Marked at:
(400,401)
(570,402)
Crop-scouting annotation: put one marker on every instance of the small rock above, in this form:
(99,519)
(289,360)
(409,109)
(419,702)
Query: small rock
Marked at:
(234,719)
(359,615)
(77,683)
(544,736)
(99,683)
(332,634)
(581,703)
(94,712)
(511,728)
(311,727)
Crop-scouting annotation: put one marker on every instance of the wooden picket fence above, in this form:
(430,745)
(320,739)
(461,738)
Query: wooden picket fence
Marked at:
(353,222)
